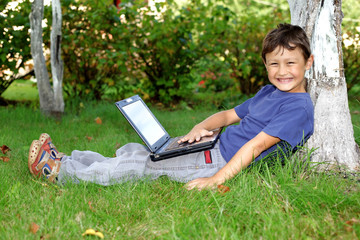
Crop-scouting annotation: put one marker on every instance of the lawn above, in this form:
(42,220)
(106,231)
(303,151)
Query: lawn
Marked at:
(21,90)
(281,202)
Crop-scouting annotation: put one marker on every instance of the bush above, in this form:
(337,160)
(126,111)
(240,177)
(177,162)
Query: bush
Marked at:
(351,53)
(241,46)
(167,47)
(211,49)
(110,53)
(14,41)
(93,58)
(235,66)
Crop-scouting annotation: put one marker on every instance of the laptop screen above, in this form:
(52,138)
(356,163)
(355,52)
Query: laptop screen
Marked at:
(144,121)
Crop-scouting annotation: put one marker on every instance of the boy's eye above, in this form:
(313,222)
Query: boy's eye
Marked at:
(273,64)
(290,62)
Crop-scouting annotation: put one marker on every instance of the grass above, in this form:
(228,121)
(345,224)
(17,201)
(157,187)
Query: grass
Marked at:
(21,90)
(281,202)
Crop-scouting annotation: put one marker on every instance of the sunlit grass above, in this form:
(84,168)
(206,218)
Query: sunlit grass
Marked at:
(278,202)
(21,90)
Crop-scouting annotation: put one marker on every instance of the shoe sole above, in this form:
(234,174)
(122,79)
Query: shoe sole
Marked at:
(33,154)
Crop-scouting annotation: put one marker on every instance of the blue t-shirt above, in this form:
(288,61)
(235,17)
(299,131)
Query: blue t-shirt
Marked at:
(288,116)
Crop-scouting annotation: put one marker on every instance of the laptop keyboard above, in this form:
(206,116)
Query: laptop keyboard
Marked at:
(175,144)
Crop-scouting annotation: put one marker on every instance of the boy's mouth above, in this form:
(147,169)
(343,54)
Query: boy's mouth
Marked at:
(284,80)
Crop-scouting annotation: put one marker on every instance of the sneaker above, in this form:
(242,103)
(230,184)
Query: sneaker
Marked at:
(44,159)
(49,147)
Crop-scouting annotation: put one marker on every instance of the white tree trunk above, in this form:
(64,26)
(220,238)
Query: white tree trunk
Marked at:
(333,137)
(57,67)
(46,94)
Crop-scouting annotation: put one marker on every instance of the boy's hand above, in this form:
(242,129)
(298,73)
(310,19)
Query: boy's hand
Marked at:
(202,183)
(195,135)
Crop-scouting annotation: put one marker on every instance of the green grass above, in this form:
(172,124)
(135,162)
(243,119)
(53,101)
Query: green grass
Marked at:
(283,202)
(21,90)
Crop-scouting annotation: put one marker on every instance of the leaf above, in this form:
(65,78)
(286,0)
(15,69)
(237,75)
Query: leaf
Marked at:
(223,189)
(352,221)
(5,149)
(117,145)
(33,228)
(98,120)
(91,231)
(90,206)
(89,138)
(349,224)
(5,159)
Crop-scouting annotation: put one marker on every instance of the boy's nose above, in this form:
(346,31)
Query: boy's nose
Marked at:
(282,70)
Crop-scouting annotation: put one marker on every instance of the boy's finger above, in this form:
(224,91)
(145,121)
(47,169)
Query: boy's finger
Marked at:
(182,140)
(209,133)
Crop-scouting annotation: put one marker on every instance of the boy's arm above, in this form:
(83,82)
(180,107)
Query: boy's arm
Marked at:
(220,119)
(239,161)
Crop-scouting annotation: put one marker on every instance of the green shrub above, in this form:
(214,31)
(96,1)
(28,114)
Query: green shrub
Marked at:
(241,45)
(14,40)
(209,49)
(351,53)
(93,58)
(166,48)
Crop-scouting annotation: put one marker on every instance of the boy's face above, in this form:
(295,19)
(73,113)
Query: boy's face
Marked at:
(286,69)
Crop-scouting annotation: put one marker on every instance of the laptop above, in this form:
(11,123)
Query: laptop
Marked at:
(154,135)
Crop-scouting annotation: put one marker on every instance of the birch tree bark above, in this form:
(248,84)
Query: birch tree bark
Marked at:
(51,100)
(333,137)
(46,95)
(57,66)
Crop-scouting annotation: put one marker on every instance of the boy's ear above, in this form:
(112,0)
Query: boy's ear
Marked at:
(309,62)
(265,64)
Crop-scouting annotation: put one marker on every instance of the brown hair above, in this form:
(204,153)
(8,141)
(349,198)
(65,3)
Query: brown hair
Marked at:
(286,36)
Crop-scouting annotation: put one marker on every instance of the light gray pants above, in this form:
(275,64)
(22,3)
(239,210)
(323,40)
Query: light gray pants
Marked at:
(133,161)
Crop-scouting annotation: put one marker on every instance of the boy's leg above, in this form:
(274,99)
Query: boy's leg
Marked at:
(132,161)
(128,164)
(187,167)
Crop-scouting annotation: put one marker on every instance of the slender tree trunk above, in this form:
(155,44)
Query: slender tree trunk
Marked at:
(57,66)
(51,100)
(46,94)
(333,138)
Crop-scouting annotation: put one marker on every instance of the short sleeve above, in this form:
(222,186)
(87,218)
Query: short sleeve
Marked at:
(293,124)
(243,109)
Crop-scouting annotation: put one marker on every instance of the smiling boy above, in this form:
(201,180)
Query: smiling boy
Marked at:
(282,112)
(280,115)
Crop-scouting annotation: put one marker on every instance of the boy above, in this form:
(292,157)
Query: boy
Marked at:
(279,115)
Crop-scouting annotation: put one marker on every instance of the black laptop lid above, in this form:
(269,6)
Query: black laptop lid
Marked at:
(144,122)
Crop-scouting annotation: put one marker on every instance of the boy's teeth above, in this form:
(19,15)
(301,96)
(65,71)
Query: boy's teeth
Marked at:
(284,80)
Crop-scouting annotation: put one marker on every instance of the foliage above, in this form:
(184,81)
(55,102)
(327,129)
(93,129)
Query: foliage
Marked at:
(93,57)
(235,66)
(167,47)
(241,44)
(209,49)
(351,53)
(14,40)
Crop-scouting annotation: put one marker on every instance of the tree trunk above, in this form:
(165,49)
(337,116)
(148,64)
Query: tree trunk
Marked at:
(46,94)
(57,66)
(51,101)
(333,137)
